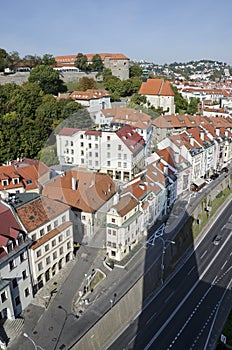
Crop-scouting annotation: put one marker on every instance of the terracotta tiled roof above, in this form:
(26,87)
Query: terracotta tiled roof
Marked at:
(50,235)
(90,94)
(156,87)
(90,191)
(125,205)
(131,138)
(39,211)
(68,131)
(70,59)
(133,117)
(9,225)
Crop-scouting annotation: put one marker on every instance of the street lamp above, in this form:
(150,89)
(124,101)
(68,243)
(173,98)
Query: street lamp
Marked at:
(65,319)
(35,345)
(162,259)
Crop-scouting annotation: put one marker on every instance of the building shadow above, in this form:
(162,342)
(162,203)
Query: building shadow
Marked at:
(186,293)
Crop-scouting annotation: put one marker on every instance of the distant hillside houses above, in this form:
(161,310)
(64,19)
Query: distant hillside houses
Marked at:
(118,63)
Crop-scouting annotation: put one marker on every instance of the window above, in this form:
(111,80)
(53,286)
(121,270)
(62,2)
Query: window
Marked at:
(48,260)
(109,232)
(68,233)
(63,219)
(124,165)
(53,243)
(3,296)
(112,220)
(96,137)
(4,183)
(28,182)
(108,138)
(46,248)
(90,162)
(26,292)
(96,146)
(38,253)
(14,283)
(125,156)
(119,155)
(68,245)
(54,255)
(114,245)
(41,232)
(108,145)
(82,161)
(22,257)
(119,147)
(40,266)
(119,164)
(24,274)
(90,154)
(82,136)
(82,153)
(114,233)
(12,264)
(96,154)
(61,250)
(15,181)
(17,300)
(82,144)
(60,238)
(71,143)
(33,237)
(90,145)
(55,223)
(108,163)
(96,163)
(108,154)
(49,227)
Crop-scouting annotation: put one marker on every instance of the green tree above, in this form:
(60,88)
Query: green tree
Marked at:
(81,62)
(107,73)
(48,60)
(47,79)
(4,60)
(97,63)
(135,71)
(180,102)
(193,106)
(86,83)
(139,100)
(31,61)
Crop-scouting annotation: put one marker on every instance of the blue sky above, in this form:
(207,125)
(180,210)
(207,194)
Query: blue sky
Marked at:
(157,31)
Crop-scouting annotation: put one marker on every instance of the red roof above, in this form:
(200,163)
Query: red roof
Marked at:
(131,138)
(68,131)
(158,87)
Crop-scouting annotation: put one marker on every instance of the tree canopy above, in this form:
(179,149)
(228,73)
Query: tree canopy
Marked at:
(135,71)
(97,63)
(81,62)
(28,117)
(86,83)
(47,79)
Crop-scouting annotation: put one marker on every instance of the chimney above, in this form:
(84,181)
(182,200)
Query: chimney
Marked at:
(74,183)
(226,133)
(217,131)
(165,170)
(176,158)
(191,141)
(202,135)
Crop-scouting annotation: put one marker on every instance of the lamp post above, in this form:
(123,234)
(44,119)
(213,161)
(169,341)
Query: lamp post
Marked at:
(33,342)
(162,259)
(65,319)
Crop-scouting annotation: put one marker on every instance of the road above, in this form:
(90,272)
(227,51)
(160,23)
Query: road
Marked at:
(181,315)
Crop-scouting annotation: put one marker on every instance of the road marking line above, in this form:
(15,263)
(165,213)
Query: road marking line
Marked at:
(169,297)
(186,296)
(224,265)
(191,270)
(151,318)
(203,254)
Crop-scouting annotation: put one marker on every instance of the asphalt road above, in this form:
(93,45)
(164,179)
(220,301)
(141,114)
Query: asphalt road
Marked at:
(182,314)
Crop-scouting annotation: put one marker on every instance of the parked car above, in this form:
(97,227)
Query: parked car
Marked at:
(224,170)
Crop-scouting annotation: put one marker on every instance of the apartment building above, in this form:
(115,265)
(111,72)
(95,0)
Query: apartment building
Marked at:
(16,290)
(93,100)
(140,121)
(118,152)
(123,227)
(47,223)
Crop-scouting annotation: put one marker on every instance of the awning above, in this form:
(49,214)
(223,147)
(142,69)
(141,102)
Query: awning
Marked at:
(199,182)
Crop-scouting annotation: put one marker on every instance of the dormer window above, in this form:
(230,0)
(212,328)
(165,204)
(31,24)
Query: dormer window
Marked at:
(20,239)
(5,183)
(28,182)
(10,247)
(16,181)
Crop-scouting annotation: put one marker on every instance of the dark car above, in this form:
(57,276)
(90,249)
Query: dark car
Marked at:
(217,239)
(225,170)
